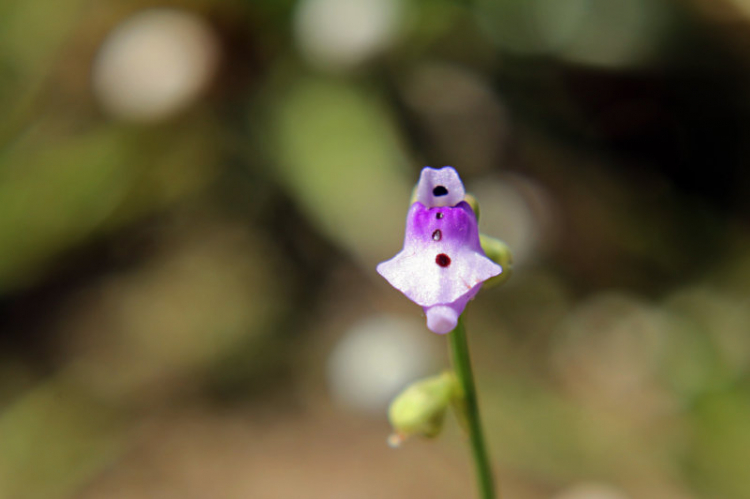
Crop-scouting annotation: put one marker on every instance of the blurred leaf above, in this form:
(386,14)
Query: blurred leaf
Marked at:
(57,189)
(53,193)
(540,430)
(31,35)
(720,451)
(54,439)
(708,346)
(32,31)
(339,155)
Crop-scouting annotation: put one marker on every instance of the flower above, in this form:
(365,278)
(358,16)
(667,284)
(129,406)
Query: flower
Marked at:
(442,265)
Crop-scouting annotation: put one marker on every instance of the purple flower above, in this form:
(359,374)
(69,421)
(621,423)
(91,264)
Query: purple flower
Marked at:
(442,265)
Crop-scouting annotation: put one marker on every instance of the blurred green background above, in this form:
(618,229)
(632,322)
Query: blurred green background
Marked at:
(194,196)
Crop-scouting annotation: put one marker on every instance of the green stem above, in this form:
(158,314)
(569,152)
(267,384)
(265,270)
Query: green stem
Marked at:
(462,365)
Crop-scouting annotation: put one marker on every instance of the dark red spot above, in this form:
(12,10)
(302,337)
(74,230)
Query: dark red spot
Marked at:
(439,215)
(443,260)
(437,235)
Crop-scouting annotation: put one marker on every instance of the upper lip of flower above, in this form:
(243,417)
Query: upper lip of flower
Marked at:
(439,187)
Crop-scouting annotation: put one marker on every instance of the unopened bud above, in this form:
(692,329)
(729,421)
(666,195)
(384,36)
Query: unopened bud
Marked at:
(420,409)
(498,252)
(469,198)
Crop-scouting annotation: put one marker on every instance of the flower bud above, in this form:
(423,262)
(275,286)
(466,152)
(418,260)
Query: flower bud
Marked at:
(498,252)
(474,203)
(420,408)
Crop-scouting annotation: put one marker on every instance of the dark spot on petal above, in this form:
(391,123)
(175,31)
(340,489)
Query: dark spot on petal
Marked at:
(443,260)
(439,191)
(437,235)
(439,215)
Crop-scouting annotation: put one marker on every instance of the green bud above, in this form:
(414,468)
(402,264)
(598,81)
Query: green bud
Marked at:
(420,409)
(498,252)
(469,198)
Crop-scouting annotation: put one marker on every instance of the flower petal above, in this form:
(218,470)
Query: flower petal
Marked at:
(439,187)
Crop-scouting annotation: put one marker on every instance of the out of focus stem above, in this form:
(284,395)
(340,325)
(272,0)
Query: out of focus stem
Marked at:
(459,347)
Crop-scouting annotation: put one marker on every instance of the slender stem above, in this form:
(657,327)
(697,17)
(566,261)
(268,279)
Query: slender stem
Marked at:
(462,365)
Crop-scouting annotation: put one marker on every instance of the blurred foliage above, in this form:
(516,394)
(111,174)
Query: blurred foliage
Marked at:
(171,289)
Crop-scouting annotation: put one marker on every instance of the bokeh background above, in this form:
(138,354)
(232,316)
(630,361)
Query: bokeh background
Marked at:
(194,196)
